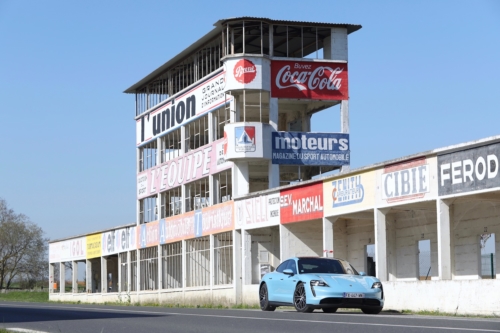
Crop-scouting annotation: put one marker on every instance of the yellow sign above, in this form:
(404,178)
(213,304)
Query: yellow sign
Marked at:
(94,246)
(349,193)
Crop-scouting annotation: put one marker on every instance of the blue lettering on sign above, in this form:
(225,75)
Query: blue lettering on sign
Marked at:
(143,236)
(347,191)
(302,148)
(198,223)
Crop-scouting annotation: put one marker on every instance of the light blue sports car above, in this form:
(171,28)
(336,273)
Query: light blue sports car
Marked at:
(310,283)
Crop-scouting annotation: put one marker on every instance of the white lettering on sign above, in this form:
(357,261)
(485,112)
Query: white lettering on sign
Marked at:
(322,78)
(285,200)
(307,205)
(468,170)
(405,182)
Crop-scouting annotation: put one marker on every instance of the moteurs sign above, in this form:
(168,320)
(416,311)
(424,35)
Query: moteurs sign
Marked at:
(309,80)
(294,148)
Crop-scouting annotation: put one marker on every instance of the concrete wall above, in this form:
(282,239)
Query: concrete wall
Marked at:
(480,297)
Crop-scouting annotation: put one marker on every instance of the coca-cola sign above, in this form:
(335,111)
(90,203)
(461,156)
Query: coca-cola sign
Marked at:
(245,71)
(309,80)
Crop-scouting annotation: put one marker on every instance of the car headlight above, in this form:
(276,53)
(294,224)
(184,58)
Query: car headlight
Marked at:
(377,285)
(319,283)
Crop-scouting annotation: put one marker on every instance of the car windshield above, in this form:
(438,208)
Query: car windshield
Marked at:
(318,265)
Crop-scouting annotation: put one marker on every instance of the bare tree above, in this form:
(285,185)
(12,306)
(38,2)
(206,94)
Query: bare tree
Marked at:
(23,249)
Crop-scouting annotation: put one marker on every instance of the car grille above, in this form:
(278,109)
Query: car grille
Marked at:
(350,301)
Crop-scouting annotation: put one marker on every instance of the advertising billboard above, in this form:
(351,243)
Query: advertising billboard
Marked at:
(349,194)
(196,164)
(68,250)
(119,240)
(94,247)
(183,107)
(301,203)
(303,148)
(246,73)
(258,212)
(316,80)
(469,170)
(409,180)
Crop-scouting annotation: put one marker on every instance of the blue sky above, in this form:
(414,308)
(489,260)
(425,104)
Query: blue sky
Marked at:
(422,75)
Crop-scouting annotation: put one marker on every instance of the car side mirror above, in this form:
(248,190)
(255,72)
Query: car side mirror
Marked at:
(288,271)
(362,273)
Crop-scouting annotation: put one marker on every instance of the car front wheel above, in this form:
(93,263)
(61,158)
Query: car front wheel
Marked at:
(371,310)
(264,299)
(299,299)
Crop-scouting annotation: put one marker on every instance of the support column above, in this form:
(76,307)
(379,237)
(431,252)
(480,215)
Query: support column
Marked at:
(184,269)
(344,126)
(237,266)
(62,278)
(284,243)
(88,276)
(212,261)
(160,270)
(240,178)
(51,278)
(119,273)
(328,243)
(273,169)
(246,257)
(444,244)
(381,243)
(138,272)
(74,275)
(129,273)
(104,275)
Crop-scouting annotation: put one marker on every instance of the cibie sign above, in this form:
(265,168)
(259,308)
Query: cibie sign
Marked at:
(309,80)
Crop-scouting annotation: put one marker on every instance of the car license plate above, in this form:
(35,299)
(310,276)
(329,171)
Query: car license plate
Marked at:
(354,295)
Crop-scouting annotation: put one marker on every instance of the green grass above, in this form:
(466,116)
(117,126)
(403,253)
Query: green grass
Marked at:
(3,330)
(25,296)
(445,314)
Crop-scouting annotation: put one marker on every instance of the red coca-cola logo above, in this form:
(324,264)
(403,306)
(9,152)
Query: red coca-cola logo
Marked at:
(309,80)
(245,71)
(303,77)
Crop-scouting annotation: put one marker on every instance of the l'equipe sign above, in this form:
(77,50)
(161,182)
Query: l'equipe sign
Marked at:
(309,80)
(469,170)
(300,148)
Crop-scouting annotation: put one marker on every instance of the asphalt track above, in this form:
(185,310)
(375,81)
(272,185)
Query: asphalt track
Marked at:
(65,318)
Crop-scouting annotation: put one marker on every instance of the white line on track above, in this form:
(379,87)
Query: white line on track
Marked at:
(24,330)
(252,318)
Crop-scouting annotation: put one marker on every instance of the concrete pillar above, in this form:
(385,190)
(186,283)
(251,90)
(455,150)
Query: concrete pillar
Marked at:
(184,270)
(444,244)
(237,266)
(88,275)
(129,274)
(138,272)
(62,278)
(51,278)
(240,178)
(285,252)
(381,243)
(120,273)
(328,245)
(74,276)
(274,170)
(104,275)
(160,269)
(246,250)
(335,45)
(212,261)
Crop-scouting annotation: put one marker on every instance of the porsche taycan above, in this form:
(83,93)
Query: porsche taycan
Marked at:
(309,283)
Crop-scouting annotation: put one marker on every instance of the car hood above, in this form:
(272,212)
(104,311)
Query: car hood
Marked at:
(348,282)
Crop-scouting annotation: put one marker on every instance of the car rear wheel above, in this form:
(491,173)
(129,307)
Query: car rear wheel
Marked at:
(264,299)
(371,310)
(299,299)
(330,310)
